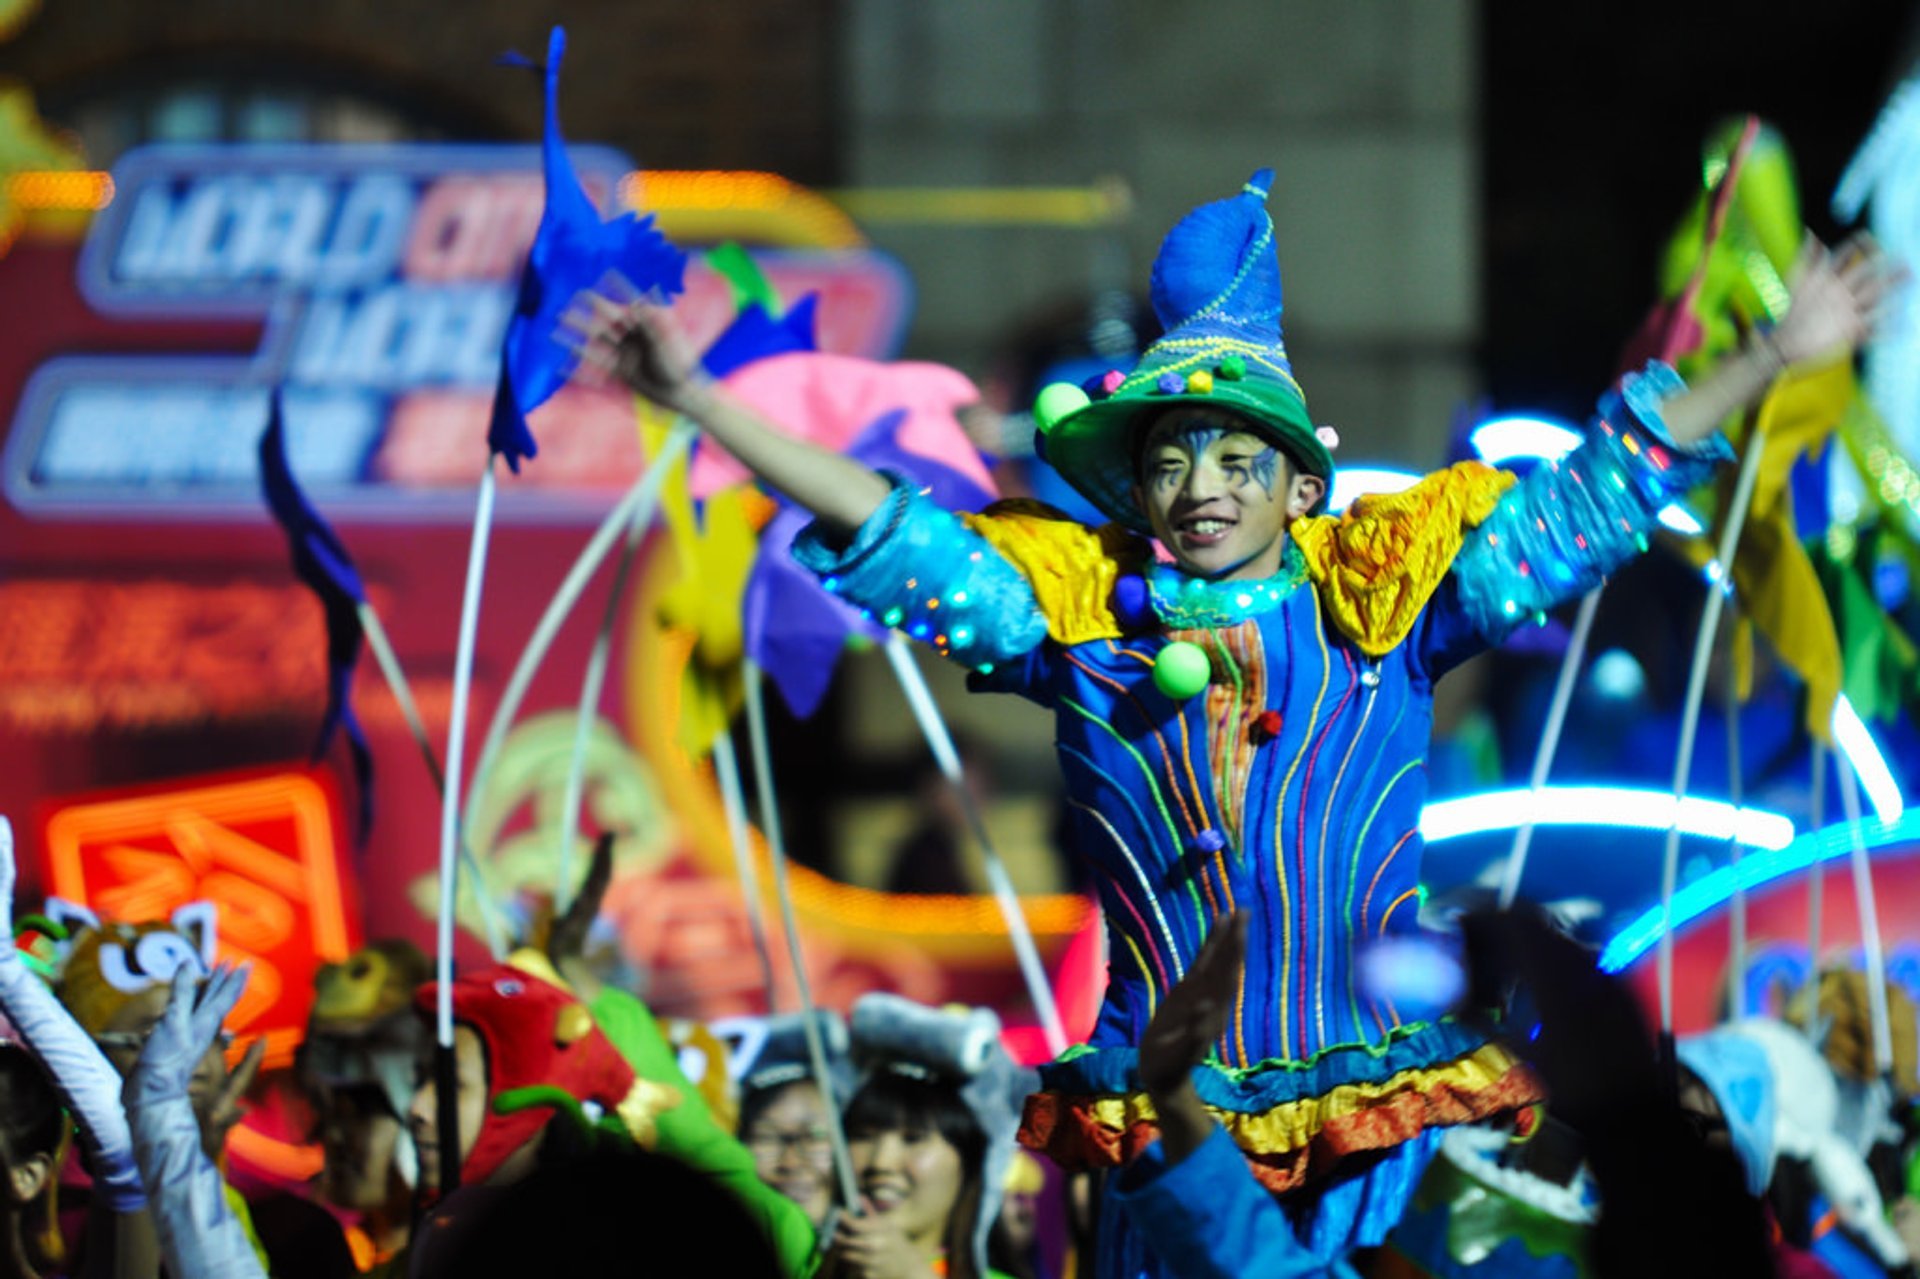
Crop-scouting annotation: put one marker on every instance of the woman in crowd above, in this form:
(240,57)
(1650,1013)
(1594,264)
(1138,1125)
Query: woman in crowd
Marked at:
(785,1122)
(919,1156)
(33,1142)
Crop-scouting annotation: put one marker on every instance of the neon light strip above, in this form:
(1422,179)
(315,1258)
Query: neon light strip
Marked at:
(1857,744)
(1350,482)
(1602,806)
(60,189)
(1511,439)
(1707,892)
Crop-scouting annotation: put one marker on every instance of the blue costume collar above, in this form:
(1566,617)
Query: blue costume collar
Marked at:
(1182,602)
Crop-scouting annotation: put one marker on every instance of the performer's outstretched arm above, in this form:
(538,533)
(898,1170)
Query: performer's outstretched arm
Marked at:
(642,346)
(1562,530)
(880,544)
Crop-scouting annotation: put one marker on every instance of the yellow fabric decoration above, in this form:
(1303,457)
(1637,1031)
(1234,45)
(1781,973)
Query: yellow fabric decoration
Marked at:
(715,1086)
(1779,591)
(642,1107)
(715,555)
(1778,588)
(1377,565)
(1071,568)
(1293,1124)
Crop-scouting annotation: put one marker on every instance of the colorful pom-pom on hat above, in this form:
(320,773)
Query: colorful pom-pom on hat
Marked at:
(1216,291)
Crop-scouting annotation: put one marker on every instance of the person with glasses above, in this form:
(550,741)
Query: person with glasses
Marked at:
(785,1123)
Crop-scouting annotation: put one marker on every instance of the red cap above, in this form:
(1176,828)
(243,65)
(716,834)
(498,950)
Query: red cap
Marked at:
(535,1032)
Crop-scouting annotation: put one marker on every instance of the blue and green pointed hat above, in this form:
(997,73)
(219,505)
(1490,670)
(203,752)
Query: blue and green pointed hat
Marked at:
(1216,291)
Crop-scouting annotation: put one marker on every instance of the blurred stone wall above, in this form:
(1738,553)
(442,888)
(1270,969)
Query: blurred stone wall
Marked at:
(1365,107)
(1366,110)
(718,83)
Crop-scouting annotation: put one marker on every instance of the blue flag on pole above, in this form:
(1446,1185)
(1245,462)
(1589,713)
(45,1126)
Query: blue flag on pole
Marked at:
(322,562)
(573,249)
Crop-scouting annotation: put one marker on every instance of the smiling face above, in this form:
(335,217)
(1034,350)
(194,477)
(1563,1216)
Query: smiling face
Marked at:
(1219,494)
(792,1147)
(912,1171)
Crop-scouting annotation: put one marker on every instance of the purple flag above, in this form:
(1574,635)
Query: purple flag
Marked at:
(793,627)
(322,562)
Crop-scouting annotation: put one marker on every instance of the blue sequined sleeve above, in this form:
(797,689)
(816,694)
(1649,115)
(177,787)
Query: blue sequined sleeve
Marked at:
(1559,532)
(916,567)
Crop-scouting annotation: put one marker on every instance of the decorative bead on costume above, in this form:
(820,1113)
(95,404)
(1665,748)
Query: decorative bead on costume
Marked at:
(1182,670)
(1132,601)
(1057,400)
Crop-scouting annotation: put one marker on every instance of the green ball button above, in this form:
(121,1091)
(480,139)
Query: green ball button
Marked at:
(1055,401)
(1182,670)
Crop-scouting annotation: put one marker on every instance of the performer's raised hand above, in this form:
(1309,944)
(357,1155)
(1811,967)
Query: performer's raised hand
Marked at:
(199,1235)
(185,1031)
(626,337)
(623,336)
(1837,298)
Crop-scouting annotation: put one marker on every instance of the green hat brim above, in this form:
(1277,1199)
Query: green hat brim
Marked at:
(1092,449)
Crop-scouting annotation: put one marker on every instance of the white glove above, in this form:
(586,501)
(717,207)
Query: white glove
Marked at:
(86,1080)
(199,1235)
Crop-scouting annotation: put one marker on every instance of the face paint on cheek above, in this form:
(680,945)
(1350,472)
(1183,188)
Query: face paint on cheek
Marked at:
(1263,466)
(1193,441)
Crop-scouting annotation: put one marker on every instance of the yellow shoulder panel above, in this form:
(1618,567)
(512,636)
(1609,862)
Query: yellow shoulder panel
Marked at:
(1071,568)
(1377,565)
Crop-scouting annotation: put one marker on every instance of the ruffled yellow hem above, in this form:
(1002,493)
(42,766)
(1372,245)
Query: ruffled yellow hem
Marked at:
(1297,1141)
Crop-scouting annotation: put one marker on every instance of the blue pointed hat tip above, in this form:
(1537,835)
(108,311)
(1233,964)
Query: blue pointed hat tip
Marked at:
(1259,184)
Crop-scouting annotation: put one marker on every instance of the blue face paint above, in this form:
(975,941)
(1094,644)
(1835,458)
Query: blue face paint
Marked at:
(1261,467)
(1194,439)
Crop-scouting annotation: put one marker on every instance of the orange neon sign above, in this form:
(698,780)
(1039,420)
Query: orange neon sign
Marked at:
(261,848)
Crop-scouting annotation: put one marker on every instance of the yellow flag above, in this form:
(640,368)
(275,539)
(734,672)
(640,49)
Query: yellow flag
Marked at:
(1778,589)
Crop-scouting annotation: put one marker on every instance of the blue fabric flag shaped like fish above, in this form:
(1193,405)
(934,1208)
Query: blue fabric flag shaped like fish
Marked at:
(322,562)
(573,249)
(792,626)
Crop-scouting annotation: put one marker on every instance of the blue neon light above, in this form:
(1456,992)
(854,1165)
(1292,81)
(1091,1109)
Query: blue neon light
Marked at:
(1709,891)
